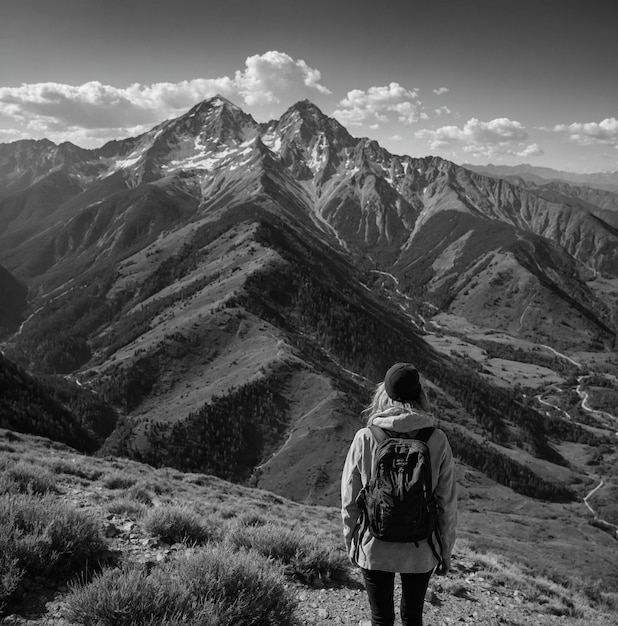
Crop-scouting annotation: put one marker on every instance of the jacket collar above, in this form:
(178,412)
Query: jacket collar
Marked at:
(401,420)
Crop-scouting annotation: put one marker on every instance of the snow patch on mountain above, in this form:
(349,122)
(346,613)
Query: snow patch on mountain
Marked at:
(136,155)
(128,162)
(272,142)
(319,154)
(196,156)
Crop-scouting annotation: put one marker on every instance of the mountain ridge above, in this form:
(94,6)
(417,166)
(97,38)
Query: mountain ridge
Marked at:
(603,180)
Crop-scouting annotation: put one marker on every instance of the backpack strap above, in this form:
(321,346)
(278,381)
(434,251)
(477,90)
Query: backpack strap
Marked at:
(423,434)
(381,434)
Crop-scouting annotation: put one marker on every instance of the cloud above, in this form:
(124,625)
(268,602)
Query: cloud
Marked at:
(500,136)
(441,90)
(9,134)
(55,108)
(442,111)
(531,150)
(271,76)
(591,133)
(376,105)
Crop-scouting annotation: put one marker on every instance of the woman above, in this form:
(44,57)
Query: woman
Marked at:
(399,405)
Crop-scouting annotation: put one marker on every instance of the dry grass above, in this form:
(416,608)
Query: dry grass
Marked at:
(139,493)
(24,478)
(304,558)
(118,480)
(42,537)
(127,508)
(572,598)
(74,467)
(212,587)
(179,524)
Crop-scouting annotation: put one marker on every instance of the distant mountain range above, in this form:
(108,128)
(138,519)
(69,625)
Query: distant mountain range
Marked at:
(231,290)
(600,180)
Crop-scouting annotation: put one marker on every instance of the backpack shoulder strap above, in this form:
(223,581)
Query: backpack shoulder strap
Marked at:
(379,434)
(424,433)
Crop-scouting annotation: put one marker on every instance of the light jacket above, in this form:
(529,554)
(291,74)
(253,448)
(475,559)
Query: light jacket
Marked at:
(373,553)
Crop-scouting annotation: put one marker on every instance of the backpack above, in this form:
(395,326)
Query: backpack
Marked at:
(397,504)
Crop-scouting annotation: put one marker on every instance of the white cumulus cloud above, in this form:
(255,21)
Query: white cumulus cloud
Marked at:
(55,109)
(531,150)
(500,136)
(442,111)
(271,76)
(376,105)
(590,133)
(441,90)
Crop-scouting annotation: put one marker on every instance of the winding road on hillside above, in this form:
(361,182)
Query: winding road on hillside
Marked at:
(564,356)
(553,406)
(21,326)
(595,515)
(585,407)
(423,325)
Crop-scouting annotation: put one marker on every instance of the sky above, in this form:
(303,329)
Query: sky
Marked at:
(472,81)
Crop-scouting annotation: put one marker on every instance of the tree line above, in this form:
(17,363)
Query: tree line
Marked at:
(28,406)
(227,436)
(504,470)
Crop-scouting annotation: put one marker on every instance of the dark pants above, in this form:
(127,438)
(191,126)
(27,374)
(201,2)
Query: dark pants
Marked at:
(380,587)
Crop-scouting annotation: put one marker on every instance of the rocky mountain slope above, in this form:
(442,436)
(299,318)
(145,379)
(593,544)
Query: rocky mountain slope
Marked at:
(226,293)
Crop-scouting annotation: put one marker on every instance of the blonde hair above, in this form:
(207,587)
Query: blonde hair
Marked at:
(382,401)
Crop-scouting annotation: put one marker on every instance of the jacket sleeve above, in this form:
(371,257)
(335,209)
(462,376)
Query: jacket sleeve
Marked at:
(351,485)
(446,499)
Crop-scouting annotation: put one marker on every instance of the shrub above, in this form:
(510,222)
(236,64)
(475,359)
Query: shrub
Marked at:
(304,558)
(116,480)
(10,576)
(22,478)
(123,506)
(43,537)
(177,524)
(251,518)
(140,494)
(598,596)
(74,468)
(211,587)
(159,487)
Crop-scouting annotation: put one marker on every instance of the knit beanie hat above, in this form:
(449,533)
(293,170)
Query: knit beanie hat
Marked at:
(402,383)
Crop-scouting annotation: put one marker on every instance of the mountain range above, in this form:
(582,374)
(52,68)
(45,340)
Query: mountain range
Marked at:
(599,180)
(220,295)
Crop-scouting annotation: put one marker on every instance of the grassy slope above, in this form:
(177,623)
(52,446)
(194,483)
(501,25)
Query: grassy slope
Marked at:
(487,583)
